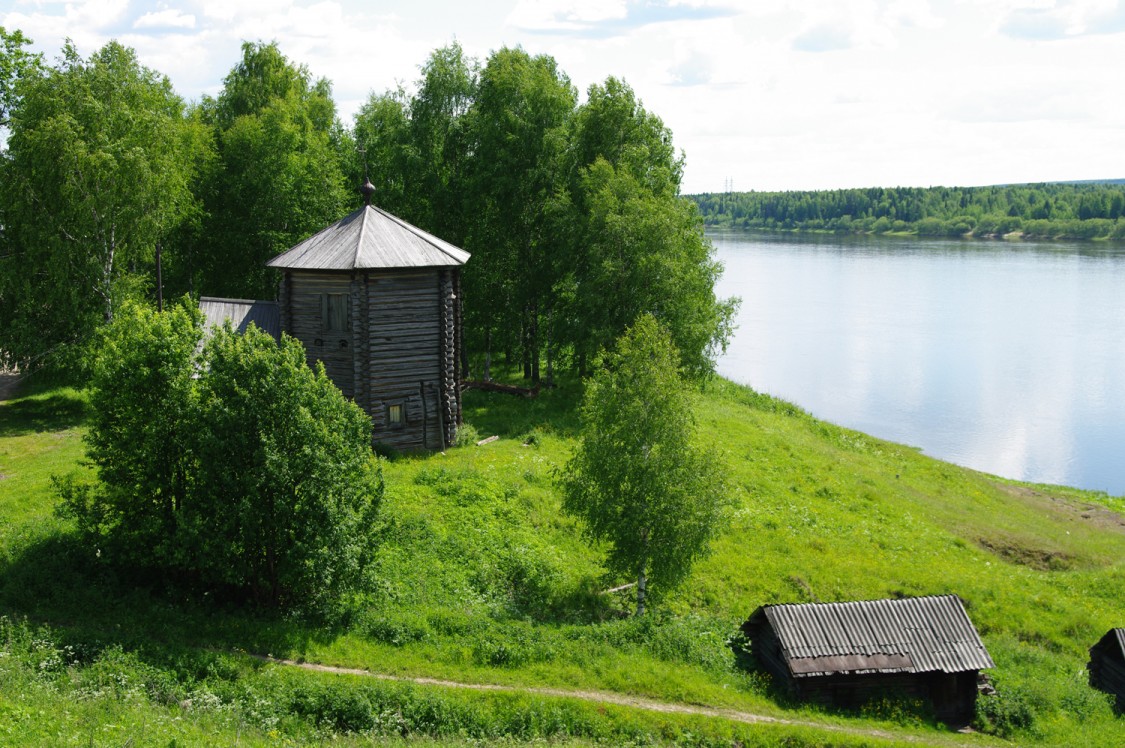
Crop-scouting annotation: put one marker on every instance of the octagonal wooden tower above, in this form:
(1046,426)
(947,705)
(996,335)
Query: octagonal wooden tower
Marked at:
(379,302)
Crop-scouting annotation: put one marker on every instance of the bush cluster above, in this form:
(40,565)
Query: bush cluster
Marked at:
(233,465)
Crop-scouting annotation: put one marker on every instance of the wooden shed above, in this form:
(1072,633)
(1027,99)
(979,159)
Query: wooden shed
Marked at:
(379,302)
(242,313)
(1107,665)
(845,653)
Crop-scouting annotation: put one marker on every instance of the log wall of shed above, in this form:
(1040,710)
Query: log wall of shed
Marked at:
(1107,672)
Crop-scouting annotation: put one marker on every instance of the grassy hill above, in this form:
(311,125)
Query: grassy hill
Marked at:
(482,580)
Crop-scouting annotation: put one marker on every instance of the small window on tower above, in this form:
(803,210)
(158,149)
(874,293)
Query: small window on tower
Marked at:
(334,312)
(394,416)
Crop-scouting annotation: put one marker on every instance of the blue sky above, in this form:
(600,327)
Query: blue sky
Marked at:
(759,94)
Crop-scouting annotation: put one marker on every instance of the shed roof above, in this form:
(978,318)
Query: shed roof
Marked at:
(914,635)
(368,239)
(1113,641)
(241,312)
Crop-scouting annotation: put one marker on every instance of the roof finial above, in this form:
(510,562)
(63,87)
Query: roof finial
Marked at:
(367,189)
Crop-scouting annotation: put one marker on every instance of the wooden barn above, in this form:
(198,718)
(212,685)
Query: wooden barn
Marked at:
(379,302)
(845,653)
(1107,665)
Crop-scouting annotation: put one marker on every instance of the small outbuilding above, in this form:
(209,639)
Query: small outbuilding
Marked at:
(845,653)
(1107,665)
(242,313)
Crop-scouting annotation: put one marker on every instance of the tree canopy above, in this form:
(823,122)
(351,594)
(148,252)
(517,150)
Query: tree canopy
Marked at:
(639,480)
(235,468)
(98,172)
(571,211)
(279,176)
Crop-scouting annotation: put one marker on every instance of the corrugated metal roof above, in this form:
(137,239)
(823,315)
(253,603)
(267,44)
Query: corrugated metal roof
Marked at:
(916,635)
(368,239)
(1114,639)
(241,312)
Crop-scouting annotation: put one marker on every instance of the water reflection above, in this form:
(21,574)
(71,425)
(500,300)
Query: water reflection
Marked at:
(1005,358)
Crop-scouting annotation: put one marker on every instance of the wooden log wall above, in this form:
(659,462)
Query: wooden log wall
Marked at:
(458,345)
(1107,673)
(450,392)
(405,338)
(403,346)
(285,300)
(334,348)
(361,340)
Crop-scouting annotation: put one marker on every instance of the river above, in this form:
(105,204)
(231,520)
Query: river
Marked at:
(1000,356)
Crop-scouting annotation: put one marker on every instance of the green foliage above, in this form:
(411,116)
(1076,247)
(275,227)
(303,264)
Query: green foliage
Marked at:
(241,467)
(98,173)
(630,246)
(279,176)
(571,212)
(286,486)
(517,136)
(638,480)
(642,252)
(1080,210)
(142,433)
(162,696)
(16,64)
(1006,713)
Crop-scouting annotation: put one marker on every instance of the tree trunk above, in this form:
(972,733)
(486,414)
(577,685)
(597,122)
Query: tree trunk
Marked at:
(642,582)
(488,356)
(642,575)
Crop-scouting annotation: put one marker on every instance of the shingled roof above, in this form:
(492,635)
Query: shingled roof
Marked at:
(368,239)
(911,635)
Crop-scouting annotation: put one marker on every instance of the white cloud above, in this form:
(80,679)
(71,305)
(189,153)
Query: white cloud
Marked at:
(692,67)
(914,92)
(824,37)
(564,15)
(1062,19)
(165,19)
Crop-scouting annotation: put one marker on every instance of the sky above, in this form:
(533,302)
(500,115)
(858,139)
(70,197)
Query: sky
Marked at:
(759,94)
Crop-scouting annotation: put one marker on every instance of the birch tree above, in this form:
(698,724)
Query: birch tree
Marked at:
(639,480)
(98,171)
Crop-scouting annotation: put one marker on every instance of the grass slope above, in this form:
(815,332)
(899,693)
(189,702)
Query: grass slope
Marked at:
(482,580)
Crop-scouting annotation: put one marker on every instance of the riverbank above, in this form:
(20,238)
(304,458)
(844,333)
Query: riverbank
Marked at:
(1011,236)
(483,580)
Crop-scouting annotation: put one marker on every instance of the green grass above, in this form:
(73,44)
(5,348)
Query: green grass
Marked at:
(482,579)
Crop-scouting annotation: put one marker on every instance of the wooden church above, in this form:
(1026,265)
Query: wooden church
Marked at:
(379,302)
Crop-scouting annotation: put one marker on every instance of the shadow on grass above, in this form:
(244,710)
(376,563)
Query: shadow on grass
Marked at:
(53,579)
(57,410)
(554,410)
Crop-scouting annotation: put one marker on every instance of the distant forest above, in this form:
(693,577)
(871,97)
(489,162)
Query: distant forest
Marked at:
(1066,210)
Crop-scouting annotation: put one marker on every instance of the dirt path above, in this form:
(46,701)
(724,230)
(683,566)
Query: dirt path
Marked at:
(606,697)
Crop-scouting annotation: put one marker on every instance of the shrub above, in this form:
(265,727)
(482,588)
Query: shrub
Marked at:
(239,467)
(1005,713)
(467,436)
(287,487)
